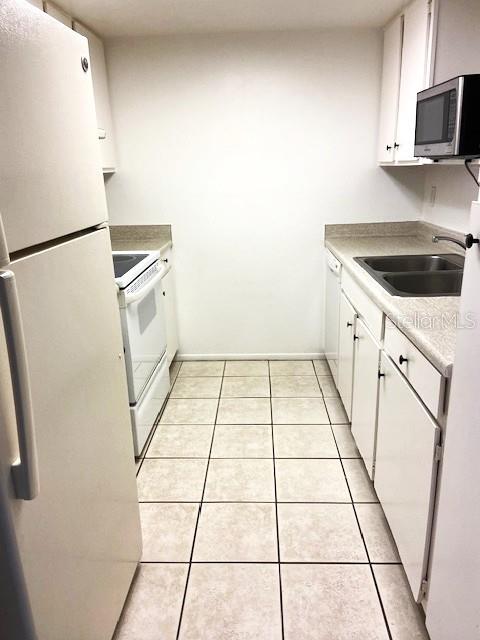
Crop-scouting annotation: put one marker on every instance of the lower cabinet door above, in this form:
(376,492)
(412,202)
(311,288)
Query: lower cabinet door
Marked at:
(345,353)
(168,286)
(406,470)
(365,394)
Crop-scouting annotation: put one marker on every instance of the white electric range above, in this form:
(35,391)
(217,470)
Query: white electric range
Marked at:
(138,276)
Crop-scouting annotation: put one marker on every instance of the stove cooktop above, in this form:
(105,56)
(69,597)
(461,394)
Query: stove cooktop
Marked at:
(129,265)
(123,262)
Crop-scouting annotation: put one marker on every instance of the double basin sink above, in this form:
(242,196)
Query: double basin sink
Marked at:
(417,275)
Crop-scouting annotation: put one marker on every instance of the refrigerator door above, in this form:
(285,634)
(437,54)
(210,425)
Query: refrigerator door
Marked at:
(79,539)
(50,169)
(454,584)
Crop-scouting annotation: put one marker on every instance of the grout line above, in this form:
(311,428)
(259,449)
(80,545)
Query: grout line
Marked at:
(364,542)
(199,510)
(276,505)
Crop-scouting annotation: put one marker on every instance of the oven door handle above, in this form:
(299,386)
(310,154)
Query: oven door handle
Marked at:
(142,291)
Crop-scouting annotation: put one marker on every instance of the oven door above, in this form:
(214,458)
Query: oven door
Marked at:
(144,333)
(438,120)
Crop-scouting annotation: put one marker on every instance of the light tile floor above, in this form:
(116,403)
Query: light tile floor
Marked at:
(259,519)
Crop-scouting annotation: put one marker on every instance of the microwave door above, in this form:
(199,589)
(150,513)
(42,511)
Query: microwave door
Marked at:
(438,123)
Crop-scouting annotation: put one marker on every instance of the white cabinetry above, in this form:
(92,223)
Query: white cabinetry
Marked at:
(406,71)
(406,470)
(415,75)
(102,97)
(345,352)
(392,57)
(168,286)
(365,393)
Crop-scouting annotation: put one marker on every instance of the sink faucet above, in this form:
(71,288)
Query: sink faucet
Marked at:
(449,239)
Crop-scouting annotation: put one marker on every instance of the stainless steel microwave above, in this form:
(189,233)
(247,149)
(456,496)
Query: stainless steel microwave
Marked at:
(448,119)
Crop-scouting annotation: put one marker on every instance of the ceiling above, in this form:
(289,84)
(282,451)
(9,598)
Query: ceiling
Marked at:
(111,18)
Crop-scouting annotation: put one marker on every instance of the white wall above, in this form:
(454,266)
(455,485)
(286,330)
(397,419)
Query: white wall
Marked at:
(248,144)
(455,192)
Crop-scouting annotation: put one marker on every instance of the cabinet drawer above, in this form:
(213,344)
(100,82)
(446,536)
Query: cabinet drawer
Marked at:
(424,378)
(366,309)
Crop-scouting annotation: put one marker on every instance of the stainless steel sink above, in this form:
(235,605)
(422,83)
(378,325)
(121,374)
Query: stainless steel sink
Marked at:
(417,275)
(414,263)
(431,283)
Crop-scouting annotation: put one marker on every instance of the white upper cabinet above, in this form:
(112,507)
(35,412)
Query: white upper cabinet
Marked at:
(58,14)
(415,74)
(392,57)
(102,97)
(406,71)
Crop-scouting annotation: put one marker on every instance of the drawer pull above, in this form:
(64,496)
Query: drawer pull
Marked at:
(349,324)
(402,359)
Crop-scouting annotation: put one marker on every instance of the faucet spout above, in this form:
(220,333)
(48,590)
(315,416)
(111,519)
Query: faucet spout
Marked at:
(449,239)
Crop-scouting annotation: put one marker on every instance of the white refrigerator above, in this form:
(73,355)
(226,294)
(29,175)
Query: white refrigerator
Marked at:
(69,522)
(453,606)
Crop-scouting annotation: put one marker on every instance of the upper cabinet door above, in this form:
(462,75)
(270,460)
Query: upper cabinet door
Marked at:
(50,179)
(414,74)
(392,55)
(102,97)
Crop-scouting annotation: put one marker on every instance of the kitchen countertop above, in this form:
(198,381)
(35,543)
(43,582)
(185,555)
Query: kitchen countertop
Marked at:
(141,237)
(428,322)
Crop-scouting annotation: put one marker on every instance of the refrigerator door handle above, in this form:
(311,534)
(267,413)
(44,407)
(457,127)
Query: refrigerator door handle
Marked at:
(25,469)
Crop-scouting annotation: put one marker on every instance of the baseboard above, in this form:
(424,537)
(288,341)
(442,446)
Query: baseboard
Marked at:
(250,356)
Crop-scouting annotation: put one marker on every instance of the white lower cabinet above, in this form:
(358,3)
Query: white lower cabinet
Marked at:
(345,353)
(365,394)
(406,470)
(168,286)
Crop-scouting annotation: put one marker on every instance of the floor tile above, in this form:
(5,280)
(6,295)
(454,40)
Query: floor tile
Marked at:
(295,387)
(232,601)
(167,531)
(360,484)
(244,411)
(242,441)
(251,387)
(310,481)
(336,411)
(376,532)
(322,368)
(319,533)
(304,441)
(236,532)
(299,411)
(291,368)
(404,616)
(327,385)
(171,480)
(143,618)
(189,412)
(200,387)
(240,480)
(181,441)
(331,602)
(246,368)
(345,441)
(202,368)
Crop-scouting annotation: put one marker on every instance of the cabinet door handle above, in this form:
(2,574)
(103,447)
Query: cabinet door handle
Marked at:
(355,337)
(349,324)
(388,147)
(402,359)
(396,145)
(380,375)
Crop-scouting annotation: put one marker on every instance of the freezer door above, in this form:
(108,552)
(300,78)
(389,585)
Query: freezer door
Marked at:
(50,169)
(79,539)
